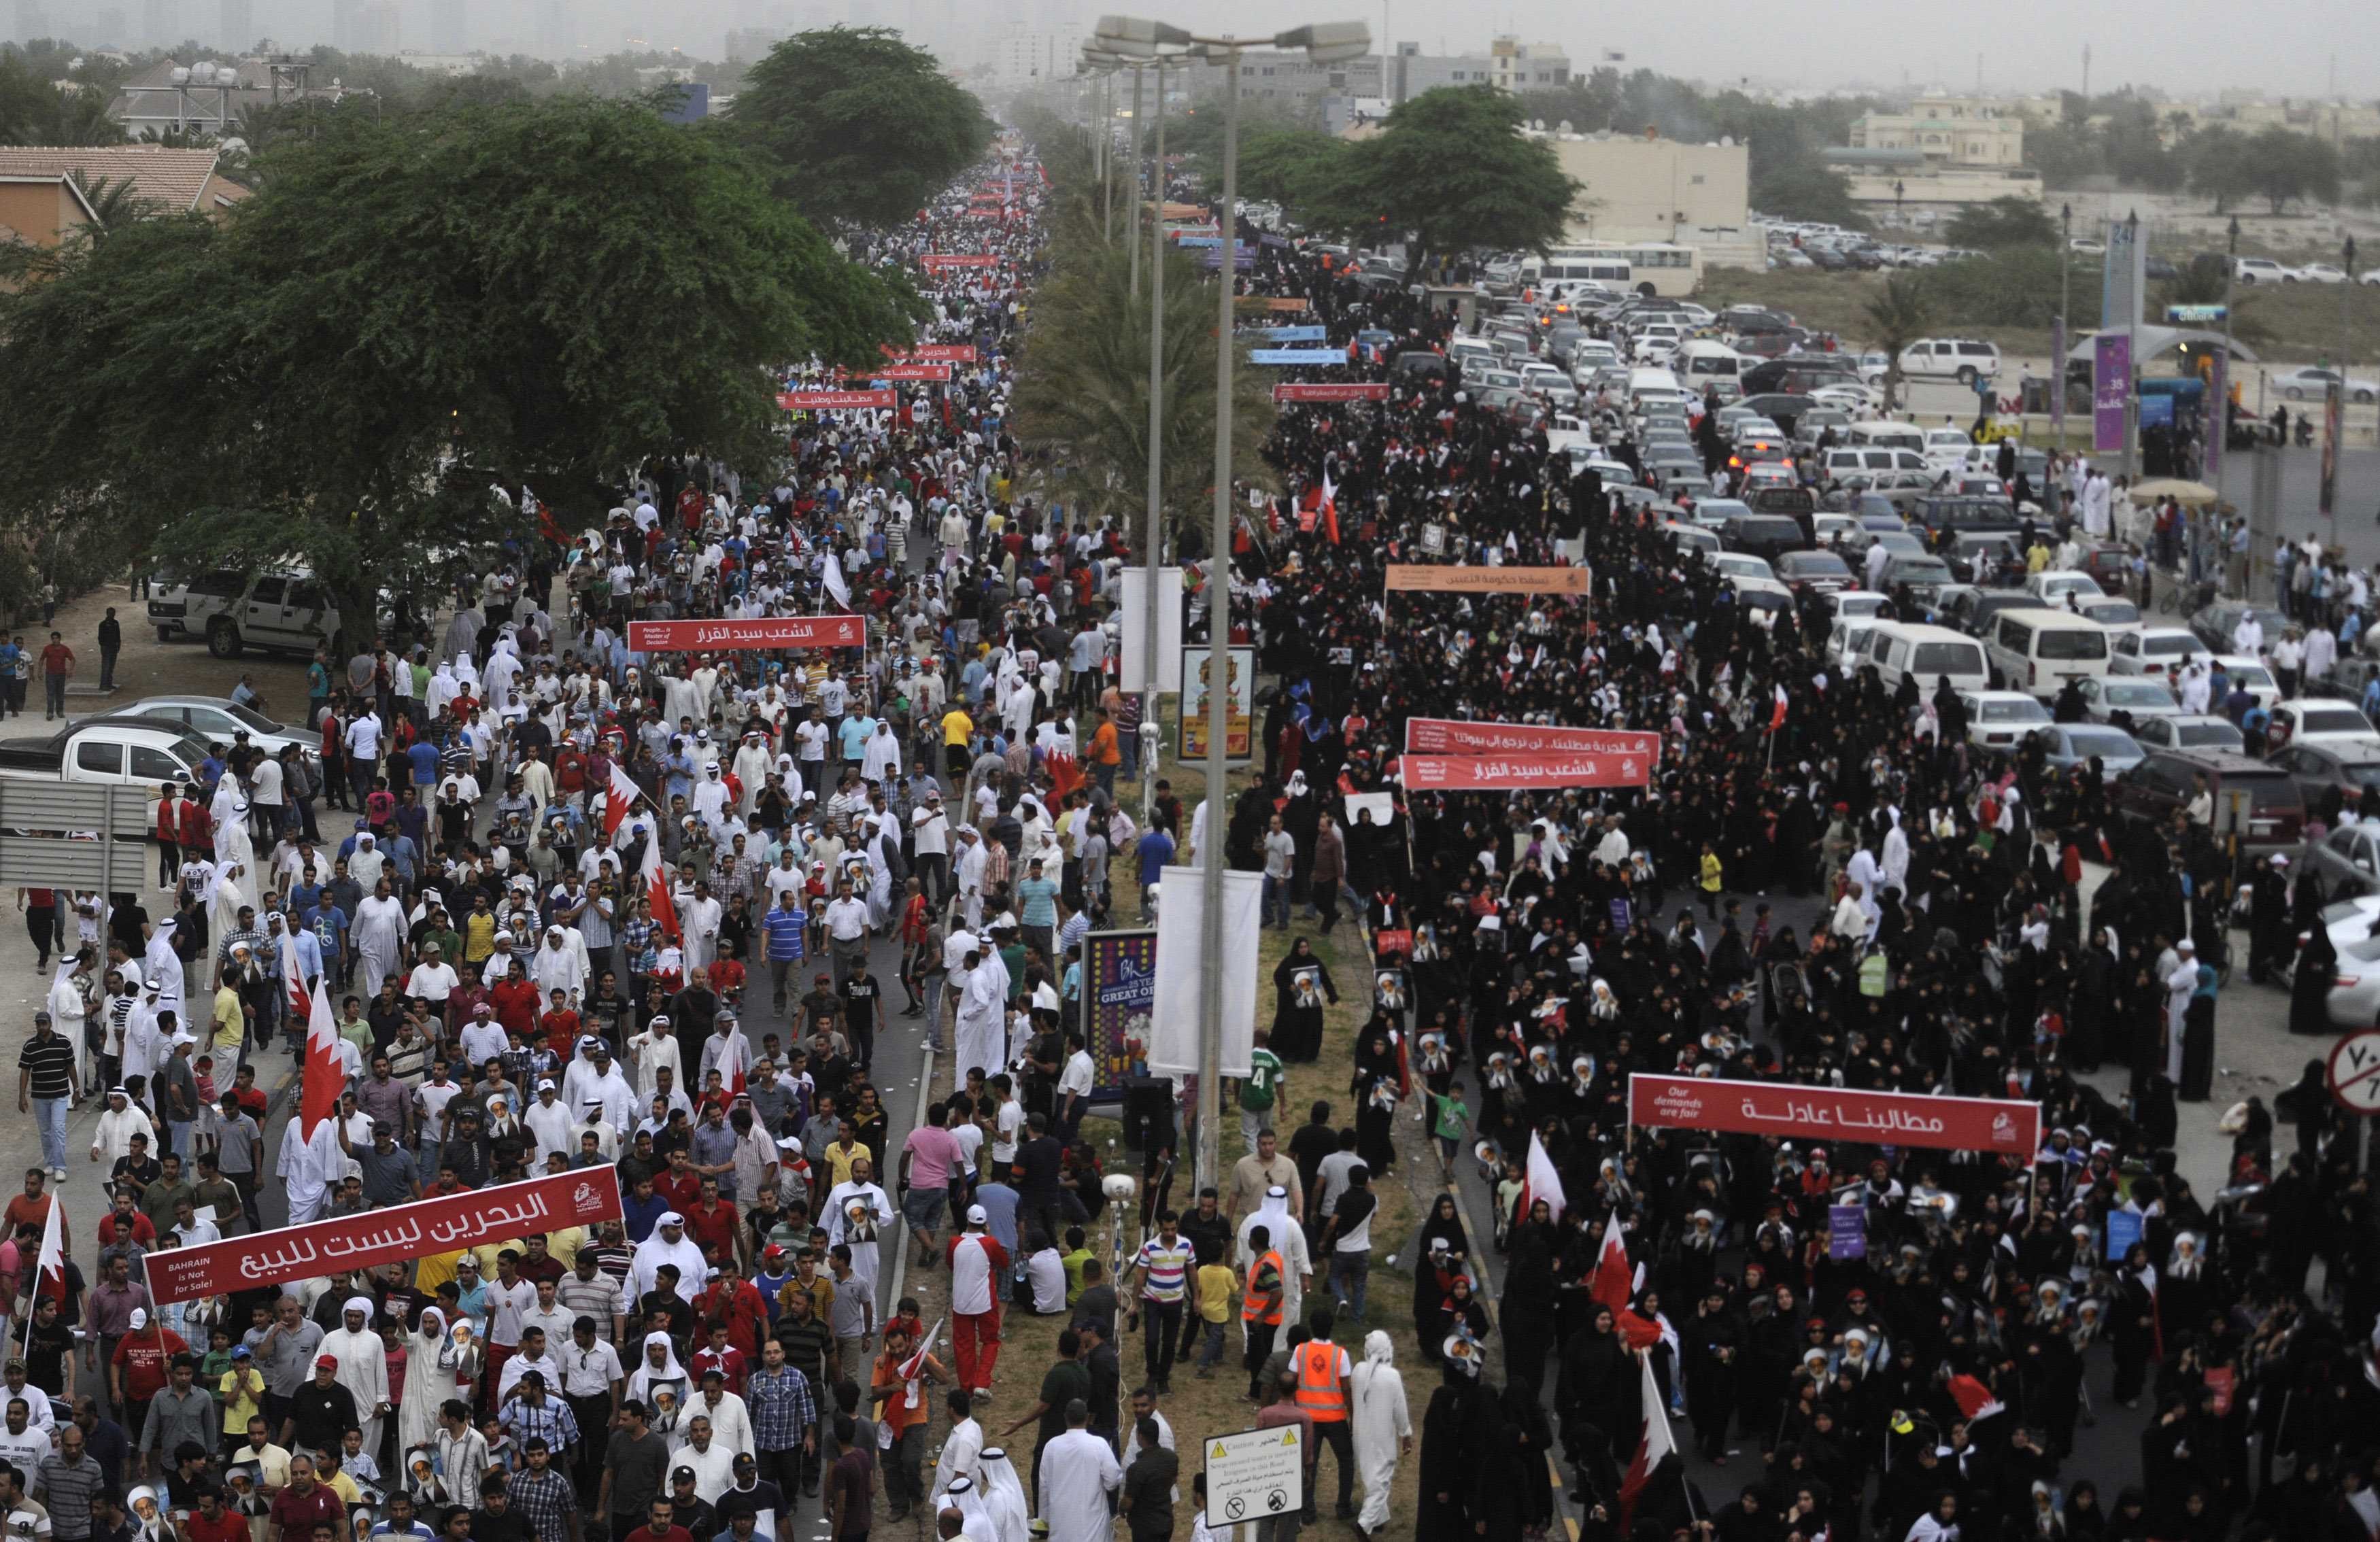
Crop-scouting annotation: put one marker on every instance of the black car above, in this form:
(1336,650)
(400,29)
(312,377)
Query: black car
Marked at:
(1767,535)
(1950,517)
(1800,373)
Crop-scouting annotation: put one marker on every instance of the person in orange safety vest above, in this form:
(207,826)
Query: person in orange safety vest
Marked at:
(1261,1304)
(1323,1372)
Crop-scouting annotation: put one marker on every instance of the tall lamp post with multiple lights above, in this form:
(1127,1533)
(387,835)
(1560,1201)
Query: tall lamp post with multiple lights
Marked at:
(1329,42)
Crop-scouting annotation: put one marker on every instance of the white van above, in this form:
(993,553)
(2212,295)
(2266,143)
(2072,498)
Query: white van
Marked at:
(1905,647)
(1886,435)
(2040,650)
(1698,362)
(1653,383)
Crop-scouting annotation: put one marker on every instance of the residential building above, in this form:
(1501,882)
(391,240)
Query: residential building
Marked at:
(1643,188)
(1944,152)
(168,181)
(41,208)
(1019,59)
(1291,80)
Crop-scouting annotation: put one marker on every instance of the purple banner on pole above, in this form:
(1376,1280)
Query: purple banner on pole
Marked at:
(1846,1232)
(2215,422)
(2111,384)
(2058,381)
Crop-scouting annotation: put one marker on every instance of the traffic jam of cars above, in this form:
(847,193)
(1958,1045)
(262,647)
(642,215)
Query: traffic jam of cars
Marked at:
(1925,556)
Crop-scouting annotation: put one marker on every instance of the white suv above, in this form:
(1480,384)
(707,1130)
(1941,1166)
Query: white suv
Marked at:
(1959,359)
(2261,270)
(283,611)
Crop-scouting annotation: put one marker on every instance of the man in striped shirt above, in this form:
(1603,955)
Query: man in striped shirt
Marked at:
(783,930)
(1169,1290)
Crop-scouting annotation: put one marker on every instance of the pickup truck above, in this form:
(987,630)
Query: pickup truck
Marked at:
(122,750)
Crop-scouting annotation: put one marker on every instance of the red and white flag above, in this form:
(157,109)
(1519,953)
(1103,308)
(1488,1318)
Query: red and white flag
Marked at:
(297,999)
(324,1074)
(657,889)
(1540,1179)
(1777,715)
(1975,1399)
(915,1366)
(1614,1282)
(1655,1444)
(50,1264)
(1329,505)
(618,798)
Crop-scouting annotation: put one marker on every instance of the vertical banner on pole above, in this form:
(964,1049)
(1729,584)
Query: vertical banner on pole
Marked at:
(2333,424)
(2058,382)
(2112,384)
(2216,422)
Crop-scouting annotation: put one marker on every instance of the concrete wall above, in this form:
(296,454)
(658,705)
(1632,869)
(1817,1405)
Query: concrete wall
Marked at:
(1640,190)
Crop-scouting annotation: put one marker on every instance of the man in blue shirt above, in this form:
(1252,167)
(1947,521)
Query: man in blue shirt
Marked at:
(1156,854)
(781,931)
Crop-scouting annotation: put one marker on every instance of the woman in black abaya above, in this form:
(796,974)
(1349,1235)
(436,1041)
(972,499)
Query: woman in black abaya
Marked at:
(2198,1040)
(2310,987)
(1301,983)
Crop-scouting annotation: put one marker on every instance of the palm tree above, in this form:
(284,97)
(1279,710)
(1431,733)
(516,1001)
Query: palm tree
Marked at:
(83,120)
(113,202)
(1898,316)
(1082,387)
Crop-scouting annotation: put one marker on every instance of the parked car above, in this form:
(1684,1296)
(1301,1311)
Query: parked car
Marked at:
(2347,858)
(2350,922)
(2261,270)
(2252,673)
(2310,381)
(1998,720)
(280,610)
(2319,720)
(2065,744)
(118,748)
(219,720)
(2125,700)
(2319,766)
(2274,813)
(2108,611)
(2191,731)
(2157,650)
(2354,998)
(1959,358)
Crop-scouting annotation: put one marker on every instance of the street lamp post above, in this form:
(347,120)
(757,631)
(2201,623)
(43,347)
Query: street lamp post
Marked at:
(1325,43)
(2133,363)
(1132,236)
(2223,408)
(2064,333)
(1152,549)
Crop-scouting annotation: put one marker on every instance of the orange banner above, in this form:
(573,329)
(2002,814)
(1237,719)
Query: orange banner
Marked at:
(1445,578)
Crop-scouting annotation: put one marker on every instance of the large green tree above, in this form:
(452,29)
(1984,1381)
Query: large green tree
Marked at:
(857,123)
(1451,169)
(536,295)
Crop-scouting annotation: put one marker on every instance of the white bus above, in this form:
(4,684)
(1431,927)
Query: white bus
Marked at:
(1648,267)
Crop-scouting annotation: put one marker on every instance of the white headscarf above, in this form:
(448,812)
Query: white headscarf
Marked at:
(641,1380)
(1003,1496)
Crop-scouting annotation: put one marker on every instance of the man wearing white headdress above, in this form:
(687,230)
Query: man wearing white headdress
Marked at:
(1383,1429)
(972,863)
(367,863)
(982,990)
(975,1523)
(504,667)
(363,1363)
(429,1360)
(559,966)
(379,935)
(751,768)
(1288,1239)
(1003,1495)
(883,847)
(161,966)
(668,1244)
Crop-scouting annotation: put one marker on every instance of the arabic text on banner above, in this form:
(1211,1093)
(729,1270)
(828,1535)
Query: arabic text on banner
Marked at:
(833,401)
(1457,579)
(790,631)
(1517,772)
(1331,391)
(2006,1126)
(1455,736)
(1118,1002)
(554,1203)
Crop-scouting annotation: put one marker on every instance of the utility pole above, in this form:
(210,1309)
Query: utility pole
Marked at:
(1153,546)
(1132,238)
(2061,336)
(1219,651)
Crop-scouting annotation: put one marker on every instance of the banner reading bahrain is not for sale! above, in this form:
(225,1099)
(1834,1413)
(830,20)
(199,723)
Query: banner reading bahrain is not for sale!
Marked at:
(1464,579)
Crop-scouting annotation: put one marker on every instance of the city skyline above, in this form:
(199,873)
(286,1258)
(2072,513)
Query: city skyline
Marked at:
(2319,49)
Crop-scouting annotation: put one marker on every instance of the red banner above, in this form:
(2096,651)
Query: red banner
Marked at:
(504,1213)
(1454,736)
(2008,1127)
(929,353)
(1333,391)
(1515,773)
(959,259)
(937,372)
(784,631)
(830,401)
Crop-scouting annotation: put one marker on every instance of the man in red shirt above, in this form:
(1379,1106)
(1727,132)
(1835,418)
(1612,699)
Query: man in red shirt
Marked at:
(720,1355)
(32,1208)
(213,1521)
(142,1365)
(304,1503)
(57,668)
(680,1184)
(711,1221)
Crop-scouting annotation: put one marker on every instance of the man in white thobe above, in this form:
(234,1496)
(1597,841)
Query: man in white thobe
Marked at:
(363,1363)
(559,966)
(983,998)
(1383,1429)
(1078,1473)
(962,1450)
(856,1212)
(1288,1239)
(380,933)
(668,1244)
(2179,986)
(307,1168)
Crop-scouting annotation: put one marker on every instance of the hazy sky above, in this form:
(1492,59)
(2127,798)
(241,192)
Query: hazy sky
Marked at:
(2182,46)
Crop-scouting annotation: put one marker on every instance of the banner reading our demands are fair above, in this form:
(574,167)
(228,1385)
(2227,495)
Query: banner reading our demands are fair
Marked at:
(554,1203)
(1458,737)
(2002,1125)
(1461,579)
